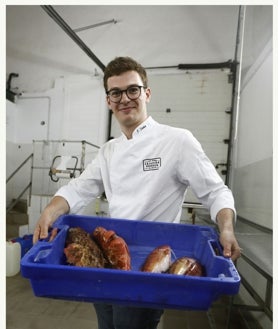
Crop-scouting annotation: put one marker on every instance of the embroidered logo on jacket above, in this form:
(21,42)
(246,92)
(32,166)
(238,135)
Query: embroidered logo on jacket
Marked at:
(151,164)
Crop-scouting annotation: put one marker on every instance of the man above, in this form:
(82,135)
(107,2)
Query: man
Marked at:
(144,174)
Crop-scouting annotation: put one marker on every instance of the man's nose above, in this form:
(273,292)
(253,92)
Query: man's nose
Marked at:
(124,98)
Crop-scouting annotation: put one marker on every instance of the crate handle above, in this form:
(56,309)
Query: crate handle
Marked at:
(216,247)
(42,255)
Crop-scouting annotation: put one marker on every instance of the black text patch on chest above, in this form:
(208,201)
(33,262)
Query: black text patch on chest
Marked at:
(151,164)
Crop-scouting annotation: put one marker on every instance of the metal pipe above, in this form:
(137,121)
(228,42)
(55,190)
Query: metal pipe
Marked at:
(91,144)
(94,25)
(201,66)
(64,141)
(261,303)
(110,116)
(31,181)
(83,153)
(20,166)
(236,90)
(58,19)
(10,207)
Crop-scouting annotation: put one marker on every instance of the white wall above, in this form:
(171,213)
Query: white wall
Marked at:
(85,113)
(253,177)
(73,110)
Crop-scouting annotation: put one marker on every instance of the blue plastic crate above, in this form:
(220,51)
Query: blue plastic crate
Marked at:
(26,242)
(45,265)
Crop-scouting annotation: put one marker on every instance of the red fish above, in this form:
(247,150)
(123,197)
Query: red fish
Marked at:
(158,260)
(186,266)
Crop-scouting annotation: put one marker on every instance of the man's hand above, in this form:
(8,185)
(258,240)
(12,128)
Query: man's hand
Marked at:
(57,207)
(230,245)
(225,221)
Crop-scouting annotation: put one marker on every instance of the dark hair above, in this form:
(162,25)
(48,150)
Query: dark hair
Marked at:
(121,65)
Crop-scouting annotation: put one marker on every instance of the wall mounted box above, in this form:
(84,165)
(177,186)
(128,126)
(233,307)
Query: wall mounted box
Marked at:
(45,265)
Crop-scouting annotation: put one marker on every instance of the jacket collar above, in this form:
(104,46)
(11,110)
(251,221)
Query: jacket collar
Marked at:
(142,128)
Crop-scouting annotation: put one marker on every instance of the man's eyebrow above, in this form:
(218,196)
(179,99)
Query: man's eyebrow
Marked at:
(131,85)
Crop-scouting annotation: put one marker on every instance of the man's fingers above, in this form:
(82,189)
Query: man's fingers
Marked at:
(53,234)
(40,232)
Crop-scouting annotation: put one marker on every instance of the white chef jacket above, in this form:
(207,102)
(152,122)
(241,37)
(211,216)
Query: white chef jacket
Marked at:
(146,177)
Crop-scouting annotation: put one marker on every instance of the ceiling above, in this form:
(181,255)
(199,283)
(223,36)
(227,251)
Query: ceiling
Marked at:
(39,50)
(155,35)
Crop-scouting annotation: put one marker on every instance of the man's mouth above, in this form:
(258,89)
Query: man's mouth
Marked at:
(126,109)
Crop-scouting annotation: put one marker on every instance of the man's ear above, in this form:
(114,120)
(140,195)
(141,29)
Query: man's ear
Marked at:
(108,102)
(148,94)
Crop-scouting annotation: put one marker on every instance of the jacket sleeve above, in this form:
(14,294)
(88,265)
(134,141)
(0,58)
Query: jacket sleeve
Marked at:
(80,191)
(197,171)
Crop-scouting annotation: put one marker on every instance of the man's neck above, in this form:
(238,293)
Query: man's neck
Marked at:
(128,131)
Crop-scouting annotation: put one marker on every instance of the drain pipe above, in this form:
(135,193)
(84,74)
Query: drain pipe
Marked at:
(58,19)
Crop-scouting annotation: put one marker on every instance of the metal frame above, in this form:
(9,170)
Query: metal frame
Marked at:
(29,185)
(32,167)
(83,151)
(263,305)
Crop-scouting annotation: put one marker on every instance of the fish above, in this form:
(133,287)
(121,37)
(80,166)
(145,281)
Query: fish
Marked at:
(186,266)
(158,261)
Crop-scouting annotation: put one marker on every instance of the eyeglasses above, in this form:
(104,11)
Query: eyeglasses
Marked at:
(132,92)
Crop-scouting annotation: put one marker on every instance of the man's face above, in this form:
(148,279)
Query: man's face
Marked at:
(129,113)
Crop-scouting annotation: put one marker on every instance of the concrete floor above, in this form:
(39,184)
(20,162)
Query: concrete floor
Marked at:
(25,311)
